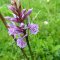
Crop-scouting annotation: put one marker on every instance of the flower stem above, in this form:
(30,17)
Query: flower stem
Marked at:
(24,54)
(29,48)
(4,22)
(29,45)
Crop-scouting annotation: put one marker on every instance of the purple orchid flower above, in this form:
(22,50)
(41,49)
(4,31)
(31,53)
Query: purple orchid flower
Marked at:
(13,9)
(12,30)
(14,19)
(27,13)
(19,27)
(21,43)
(33,28)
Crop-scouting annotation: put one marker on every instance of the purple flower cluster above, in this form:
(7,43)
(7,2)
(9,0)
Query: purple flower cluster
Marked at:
(17,24)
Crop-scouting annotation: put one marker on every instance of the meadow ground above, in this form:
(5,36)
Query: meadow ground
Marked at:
(46,44)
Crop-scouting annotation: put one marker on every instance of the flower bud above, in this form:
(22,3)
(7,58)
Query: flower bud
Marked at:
(12,8)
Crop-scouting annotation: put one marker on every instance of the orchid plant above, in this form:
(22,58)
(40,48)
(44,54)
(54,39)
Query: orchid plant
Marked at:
(20,24)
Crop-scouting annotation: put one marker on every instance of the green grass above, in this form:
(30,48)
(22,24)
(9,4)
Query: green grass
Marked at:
(46,44)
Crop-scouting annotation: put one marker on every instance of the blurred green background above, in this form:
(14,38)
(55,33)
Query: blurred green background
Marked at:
(46,44)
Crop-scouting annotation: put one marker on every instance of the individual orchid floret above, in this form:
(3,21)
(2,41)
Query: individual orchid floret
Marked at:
(21,43)
(11,31)
(14,19)
(23,12)
(13,9)
(27,13)
(33,28)
(14,30)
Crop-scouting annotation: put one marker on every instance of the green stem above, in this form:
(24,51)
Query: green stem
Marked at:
(24,54)
(29,46)
(3,20)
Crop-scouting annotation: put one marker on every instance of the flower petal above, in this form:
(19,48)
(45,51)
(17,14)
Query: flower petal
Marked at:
(33,28)
(12,8)
(27,13)
(21,43)
(16,19)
